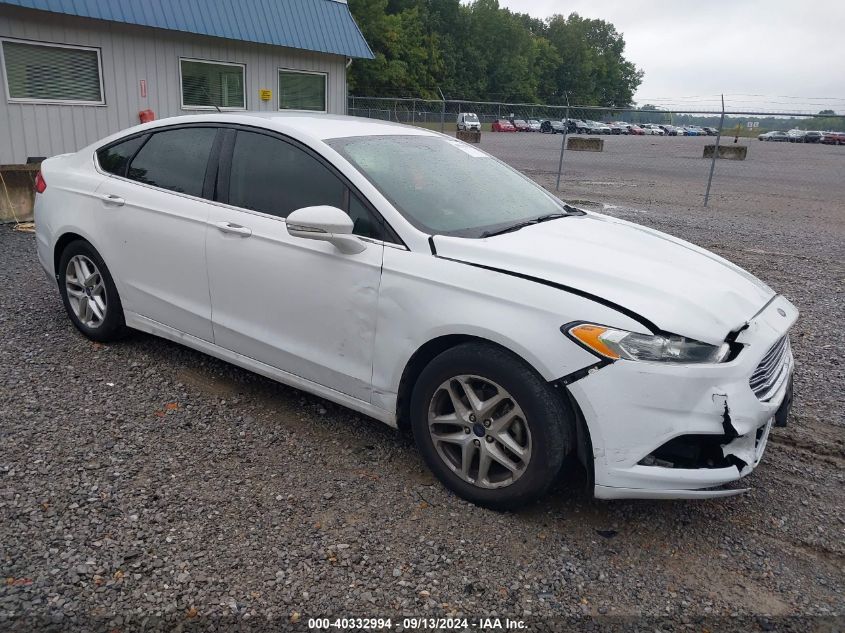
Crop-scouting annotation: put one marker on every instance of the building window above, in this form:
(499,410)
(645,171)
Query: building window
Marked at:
(302,91)
(52,73)
(209,84)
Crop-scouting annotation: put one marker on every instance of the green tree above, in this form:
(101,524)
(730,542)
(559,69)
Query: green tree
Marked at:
(593,70)
(483,51)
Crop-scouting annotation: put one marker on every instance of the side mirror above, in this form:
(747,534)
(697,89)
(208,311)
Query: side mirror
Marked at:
(327,224)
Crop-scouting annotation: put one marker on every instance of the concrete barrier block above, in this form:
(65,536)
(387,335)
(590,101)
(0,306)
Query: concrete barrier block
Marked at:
(585,144)
(730,152)
(17,193)
(469,136)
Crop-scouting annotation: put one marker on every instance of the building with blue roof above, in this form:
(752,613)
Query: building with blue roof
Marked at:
(75,71)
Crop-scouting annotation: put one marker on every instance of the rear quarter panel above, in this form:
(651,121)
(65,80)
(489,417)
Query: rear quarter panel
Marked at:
(68,205)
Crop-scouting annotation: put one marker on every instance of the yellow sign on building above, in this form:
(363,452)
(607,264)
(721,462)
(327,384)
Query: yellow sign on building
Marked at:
(265,94)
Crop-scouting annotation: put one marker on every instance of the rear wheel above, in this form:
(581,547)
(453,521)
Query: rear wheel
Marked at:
(491,429)
(89,294)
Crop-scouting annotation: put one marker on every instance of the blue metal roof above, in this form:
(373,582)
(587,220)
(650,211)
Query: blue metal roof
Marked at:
(326,26)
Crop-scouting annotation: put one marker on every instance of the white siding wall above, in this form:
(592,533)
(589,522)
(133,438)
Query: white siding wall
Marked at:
(130,54)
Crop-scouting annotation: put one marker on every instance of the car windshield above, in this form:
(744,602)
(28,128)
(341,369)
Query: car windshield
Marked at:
(445,186)
(471,118)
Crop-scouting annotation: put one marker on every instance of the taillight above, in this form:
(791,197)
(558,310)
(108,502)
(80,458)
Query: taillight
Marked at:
(40,183)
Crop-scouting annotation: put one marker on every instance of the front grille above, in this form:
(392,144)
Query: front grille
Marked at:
(773,370)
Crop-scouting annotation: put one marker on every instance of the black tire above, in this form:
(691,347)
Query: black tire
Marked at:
(113,325)
(548,418)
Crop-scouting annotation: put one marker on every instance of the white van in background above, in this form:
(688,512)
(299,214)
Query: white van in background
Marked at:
(468,121)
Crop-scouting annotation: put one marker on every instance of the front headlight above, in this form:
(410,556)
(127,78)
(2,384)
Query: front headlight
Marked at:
(621,344)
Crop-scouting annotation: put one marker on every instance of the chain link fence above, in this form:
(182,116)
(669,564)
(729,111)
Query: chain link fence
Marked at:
(640,159)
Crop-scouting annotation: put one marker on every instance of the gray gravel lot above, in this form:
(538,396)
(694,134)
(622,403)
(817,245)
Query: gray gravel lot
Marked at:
(144,480)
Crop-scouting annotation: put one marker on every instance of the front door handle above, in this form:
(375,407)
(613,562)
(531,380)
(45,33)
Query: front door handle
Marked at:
(113,200)
(237,229)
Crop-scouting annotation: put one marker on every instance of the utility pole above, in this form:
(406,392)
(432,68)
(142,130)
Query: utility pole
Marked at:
(442,111)
(715,153)
(563,142)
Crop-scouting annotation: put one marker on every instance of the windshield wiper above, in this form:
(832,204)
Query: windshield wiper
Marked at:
(522,225)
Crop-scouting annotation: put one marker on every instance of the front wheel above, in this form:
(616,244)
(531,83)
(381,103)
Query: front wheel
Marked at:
(89,294)
(489,427)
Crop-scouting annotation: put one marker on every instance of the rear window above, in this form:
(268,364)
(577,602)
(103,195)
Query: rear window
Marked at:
(175,160)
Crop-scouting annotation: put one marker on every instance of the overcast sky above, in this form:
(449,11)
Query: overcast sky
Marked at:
(692,50)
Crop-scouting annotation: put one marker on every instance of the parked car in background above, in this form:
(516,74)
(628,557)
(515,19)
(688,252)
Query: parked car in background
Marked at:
(468,121)
(552,126)
(508,331)
(833,138)
(671,130)
(534,124)
(812,136)
(618,127)
(581,126)
(796,136)
(774,135)
(502,125)
(653,126)
(521,125)
(594,127)
(711,131)
(699,131)
(653,131)
(636,130)
(571,125)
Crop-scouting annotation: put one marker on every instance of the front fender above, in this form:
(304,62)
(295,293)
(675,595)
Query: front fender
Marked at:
(423,297)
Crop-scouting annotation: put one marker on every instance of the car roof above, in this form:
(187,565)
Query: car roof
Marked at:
(315,125)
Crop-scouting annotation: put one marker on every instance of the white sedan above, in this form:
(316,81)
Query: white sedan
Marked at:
(420,281)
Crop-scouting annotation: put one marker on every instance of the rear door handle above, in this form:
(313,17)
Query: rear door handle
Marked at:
(237,229)
(113,200)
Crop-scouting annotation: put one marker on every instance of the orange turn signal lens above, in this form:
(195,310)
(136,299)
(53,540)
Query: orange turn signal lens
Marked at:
(590,335)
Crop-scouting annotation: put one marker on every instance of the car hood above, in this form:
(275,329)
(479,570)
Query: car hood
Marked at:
(677,286)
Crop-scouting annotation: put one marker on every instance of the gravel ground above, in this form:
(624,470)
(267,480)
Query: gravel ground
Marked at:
(146,485)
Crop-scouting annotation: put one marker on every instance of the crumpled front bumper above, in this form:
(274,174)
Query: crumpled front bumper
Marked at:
(632,409)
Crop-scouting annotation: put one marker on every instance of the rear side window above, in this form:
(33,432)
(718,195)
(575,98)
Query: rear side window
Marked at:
(175,159)
(114,159)
(275,177)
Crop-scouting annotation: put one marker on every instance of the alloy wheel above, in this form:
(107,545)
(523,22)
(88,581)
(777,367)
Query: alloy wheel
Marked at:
(86,291)
(479,431)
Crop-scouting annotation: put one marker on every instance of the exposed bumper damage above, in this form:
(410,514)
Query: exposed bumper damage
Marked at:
(684,431)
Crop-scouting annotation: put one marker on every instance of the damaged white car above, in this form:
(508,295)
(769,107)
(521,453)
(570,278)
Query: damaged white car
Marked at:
(418,280)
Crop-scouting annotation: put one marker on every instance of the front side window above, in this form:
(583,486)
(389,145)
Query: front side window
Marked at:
(364,223)
(302,91)
(175,159)
(275,177)
(212,84)
(52,73)
(411,171)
